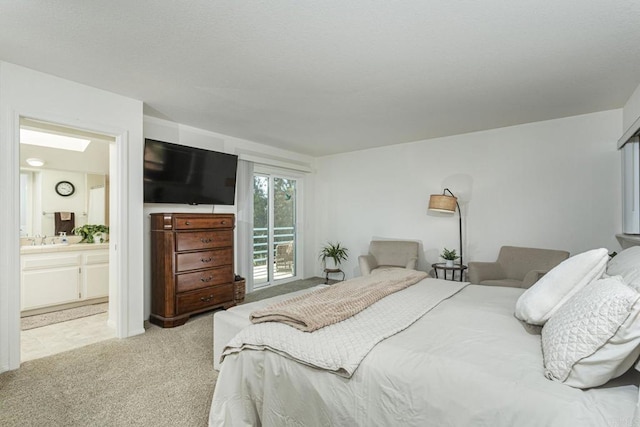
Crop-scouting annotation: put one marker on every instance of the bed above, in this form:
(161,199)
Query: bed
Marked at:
(227,323)
(466,362)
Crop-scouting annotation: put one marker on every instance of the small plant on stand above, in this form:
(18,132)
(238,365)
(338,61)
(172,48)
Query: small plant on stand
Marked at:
(334,253)
(449,256)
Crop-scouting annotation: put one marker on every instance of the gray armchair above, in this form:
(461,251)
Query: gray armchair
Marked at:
(385,254)
(516,267)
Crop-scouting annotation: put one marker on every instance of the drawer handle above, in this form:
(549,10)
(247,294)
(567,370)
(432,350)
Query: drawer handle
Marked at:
(187,223)
(208,279)
(206,260)
(223,222)
(207,299)
(207,240)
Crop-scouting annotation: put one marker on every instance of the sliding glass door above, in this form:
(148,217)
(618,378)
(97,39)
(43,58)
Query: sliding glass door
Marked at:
(275,203)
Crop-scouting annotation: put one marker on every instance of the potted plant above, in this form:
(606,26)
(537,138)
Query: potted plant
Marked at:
(92,233)
(334,253)
(449,256)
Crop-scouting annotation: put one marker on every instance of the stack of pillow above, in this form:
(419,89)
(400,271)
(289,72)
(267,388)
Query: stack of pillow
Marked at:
(590,312)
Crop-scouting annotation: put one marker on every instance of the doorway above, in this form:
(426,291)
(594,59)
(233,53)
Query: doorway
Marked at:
(26,93)
(276,213)
(64,277)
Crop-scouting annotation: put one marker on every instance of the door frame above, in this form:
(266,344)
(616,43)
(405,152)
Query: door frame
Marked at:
(119,270)
(299,255)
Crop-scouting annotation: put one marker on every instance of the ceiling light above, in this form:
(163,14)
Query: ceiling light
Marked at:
(43,139)
(35,162)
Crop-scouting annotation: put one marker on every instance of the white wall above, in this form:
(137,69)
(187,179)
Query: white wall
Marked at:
(552,184)
(631,110)
(28,93)
(164,130)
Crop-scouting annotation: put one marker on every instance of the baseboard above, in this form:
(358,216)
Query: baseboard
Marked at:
(60,307)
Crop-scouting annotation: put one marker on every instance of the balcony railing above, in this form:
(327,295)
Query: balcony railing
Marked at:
(283,250)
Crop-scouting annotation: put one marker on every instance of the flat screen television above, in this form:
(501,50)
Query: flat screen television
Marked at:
(179,174)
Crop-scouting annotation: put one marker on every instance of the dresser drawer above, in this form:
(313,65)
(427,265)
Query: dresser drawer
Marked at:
(203,259)
(196,240)
(201,279)
(201,299)
(193,223)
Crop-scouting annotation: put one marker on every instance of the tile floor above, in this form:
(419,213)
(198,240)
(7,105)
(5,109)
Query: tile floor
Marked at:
(59,337)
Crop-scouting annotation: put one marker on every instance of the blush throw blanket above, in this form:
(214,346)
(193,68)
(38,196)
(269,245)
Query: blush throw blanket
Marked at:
(336,303)
(339,348)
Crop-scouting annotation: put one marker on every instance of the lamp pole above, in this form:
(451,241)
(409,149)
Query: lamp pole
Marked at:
(460,221)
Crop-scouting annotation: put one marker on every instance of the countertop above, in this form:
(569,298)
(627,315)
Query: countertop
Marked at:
(38,249)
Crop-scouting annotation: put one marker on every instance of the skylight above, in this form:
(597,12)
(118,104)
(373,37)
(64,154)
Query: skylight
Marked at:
(43,139)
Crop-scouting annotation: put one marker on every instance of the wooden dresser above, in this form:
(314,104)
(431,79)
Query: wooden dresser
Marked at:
(191,265)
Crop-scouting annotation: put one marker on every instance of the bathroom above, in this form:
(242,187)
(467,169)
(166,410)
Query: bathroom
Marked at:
(64,287)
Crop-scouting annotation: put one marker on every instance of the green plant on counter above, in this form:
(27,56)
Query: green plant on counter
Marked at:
(88,232)
(449,255)
(335,252)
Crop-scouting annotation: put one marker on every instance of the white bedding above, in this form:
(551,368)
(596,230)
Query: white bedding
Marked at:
(468,362)
(341,346)
(227,323)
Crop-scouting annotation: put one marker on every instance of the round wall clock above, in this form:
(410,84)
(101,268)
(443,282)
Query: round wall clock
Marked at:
(65,188)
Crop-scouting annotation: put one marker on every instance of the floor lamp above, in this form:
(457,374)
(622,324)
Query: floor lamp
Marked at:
(447,204)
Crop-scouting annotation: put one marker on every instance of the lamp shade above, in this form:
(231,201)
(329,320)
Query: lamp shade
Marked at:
(442,203)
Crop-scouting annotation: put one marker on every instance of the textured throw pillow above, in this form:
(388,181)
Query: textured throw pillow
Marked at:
(627,265)
(595,336)
(538,303)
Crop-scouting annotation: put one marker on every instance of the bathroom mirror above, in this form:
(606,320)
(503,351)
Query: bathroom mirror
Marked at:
(42,208)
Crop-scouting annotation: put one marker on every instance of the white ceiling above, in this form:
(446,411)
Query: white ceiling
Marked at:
(322,77)
(94,160)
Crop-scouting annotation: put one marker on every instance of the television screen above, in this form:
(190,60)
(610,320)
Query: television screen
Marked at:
(178,174)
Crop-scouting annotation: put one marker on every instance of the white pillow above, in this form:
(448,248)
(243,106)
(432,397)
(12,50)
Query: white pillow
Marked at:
(538,303)
(595,336)
(627,265)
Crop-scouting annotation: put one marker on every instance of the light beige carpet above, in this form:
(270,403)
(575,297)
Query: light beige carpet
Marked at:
(164,377)
(45,319)
(283,289)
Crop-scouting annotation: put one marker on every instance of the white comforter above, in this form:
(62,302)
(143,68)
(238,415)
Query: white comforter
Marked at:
(340,347)
(468,362)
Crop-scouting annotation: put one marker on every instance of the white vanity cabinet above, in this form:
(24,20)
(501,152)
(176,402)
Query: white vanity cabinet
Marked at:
(63,277)
(95,274)
(49,279)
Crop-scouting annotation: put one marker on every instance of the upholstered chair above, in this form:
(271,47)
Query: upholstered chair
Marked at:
(516,267)
(284,256)
(386,254)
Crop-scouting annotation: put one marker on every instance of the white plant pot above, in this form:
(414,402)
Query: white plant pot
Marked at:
(330,264)
(448,263)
